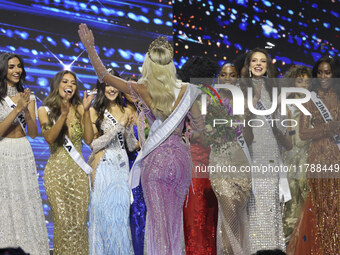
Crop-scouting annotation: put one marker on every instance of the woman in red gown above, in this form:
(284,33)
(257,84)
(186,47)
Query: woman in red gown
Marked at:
(200,208)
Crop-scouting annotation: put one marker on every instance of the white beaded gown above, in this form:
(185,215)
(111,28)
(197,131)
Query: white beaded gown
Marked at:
(22,221)
(265,218)
(109,231)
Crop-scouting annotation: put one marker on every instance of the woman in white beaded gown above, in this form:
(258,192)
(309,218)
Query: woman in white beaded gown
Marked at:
(265,219)
(22,221)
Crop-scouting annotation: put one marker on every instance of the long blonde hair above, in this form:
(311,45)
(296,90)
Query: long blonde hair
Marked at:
(159,75)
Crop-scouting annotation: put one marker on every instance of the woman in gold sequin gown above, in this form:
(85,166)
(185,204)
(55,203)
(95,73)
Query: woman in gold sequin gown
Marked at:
(67,185)
(232,192)
(318,229)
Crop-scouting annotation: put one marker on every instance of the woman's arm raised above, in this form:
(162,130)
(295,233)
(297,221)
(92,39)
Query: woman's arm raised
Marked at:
(87,38)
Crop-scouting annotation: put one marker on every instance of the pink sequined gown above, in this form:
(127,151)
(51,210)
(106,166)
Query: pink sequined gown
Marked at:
(165,177)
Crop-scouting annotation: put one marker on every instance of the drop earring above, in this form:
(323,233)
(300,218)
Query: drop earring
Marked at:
(250,73)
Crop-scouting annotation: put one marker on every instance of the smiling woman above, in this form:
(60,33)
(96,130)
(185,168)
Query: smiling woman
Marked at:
(110,197)
(22,222)
(266,231)
(318,229)
(66,181)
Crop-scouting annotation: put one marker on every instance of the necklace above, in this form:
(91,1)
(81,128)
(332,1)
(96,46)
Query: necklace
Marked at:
(12,91)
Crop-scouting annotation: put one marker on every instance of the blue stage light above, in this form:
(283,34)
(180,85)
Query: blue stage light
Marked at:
(138,57)
(51,41)
(66,43)
(158,21)
(120,13)
(87,86)
(127,67)
(144,19)
(126,54)
(267,3)
(42,81)
(114,65)
(132,16)
(326,25)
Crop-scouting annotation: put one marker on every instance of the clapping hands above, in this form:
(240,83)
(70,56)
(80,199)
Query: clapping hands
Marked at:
(24,100)
(87,100)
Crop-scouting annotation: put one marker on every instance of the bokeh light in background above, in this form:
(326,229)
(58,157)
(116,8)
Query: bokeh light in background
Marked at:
(294,32)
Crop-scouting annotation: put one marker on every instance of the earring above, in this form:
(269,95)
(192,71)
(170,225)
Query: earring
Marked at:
(250,73)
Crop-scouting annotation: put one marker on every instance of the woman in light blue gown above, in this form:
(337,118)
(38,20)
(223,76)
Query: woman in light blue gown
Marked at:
(109,231)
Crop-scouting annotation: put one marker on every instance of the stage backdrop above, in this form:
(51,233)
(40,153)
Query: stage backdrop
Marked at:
(44,33)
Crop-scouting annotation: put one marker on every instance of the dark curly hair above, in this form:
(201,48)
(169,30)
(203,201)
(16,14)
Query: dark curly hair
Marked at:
(198,67)
(288,80)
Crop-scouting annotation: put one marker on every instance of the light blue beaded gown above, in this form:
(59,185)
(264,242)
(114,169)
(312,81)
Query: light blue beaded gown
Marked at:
(109,230)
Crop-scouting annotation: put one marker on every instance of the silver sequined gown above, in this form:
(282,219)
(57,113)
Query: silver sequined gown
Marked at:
(265,219)
(22,221)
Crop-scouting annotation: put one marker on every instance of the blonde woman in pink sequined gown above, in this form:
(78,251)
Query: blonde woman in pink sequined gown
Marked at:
(164,162)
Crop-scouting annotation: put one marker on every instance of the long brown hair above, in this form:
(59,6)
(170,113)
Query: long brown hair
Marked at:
(53,102)
(270,73)
(101,103)
(4,58)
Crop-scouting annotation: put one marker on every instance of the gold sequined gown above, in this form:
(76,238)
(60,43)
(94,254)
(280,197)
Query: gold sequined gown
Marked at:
(232,192)
(318,230)
(297,156)
(67,189)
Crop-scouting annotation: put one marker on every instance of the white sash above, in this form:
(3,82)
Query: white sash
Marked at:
(162,130)
(242,142)
(284,190)
(326,115)
(20,116)
(120,135)
(74,154)
(260,106)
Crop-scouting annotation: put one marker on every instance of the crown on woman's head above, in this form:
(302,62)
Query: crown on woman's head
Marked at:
(161,41)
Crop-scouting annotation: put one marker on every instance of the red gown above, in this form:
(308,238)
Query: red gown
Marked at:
(200,208)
